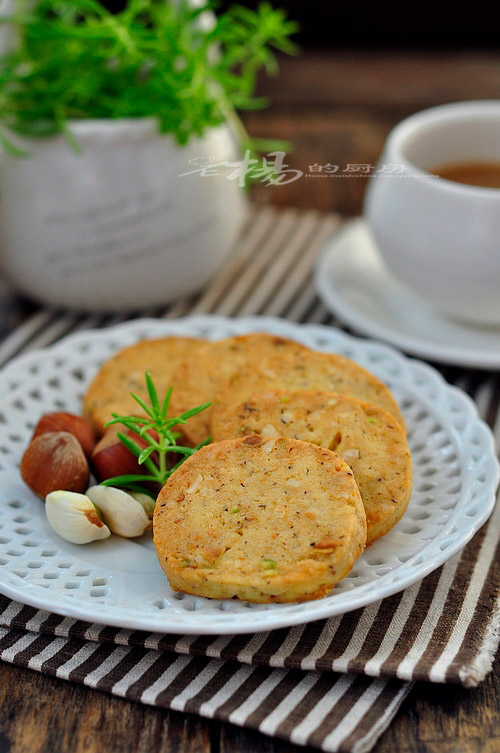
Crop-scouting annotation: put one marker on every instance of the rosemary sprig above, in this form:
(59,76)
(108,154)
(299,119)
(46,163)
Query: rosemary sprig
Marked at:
(157,430)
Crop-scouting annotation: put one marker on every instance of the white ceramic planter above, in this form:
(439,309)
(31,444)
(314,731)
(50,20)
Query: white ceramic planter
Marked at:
(115,227)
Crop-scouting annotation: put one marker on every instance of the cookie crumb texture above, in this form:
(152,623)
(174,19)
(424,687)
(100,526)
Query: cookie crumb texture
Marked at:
(123,373)
(259,519)
(368,438)
(220,365)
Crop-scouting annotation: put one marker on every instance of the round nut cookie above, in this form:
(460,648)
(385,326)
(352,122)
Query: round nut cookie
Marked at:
(201,375)
(228,371)
(368,438)
(123,373)
(305,370)
(260,519)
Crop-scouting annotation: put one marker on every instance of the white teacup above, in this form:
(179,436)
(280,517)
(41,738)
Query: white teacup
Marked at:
(439,237)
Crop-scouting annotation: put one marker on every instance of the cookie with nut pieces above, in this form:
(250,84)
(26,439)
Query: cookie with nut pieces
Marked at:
(228,371)
(201,375)
(260,519)
(368,438)
(109,391)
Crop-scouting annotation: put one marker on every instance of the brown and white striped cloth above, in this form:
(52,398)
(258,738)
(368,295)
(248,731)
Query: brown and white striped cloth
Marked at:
(334,684)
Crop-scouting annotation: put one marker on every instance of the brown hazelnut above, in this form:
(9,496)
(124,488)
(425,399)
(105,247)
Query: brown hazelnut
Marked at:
(111,457)
(53,461)
(76,425)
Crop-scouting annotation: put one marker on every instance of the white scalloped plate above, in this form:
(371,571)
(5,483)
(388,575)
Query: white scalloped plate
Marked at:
(119,582)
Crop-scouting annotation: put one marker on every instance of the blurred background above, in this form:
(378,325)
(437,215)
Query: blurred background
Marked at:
(393,24)
(388,23)
(364,66)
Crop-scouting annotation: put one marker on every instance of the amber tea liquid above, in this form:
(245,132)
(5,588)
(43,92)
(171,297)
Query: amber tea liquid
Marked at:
(484,174)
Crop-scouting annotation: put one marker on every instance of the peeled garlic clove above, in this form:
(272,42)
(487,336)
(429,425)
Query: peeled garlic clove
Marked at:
(123,514)
(74,517)
(147,502)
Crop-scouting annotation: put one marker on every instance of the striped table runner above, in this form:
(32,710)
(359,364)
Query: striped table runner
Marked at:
(334,684)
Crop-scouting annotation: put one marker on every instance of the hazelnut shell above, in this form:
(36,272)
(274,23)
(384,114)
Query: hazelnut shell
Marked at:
(76,425)
(111,458)
(52,461)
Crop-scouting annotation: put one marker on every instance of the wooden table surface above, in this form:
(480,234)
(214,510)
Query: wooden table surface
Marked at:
(336,108)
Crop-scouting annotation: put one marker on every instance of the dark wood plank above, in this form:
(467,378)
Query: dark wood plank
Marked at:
(336,137)
(238,740)
(42,714)
(383,80)
(339,107)
(447,719)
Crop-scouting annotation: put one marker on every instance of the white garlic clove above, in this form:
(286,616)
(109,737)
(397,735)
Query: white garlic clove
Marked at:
(74,518)
(124,515)
(147,502)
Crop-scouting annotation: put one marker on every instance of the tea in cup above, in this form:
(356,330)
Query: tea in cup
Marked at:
(436,216)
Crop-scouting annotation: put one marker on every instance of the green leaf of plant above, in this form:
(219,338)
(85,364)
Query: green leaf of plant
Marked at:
(193,412)
(137,487)
(166,402)
(143,405)
(153,395)
(180,450)
(118,480)
(145,454)
(166,442)
(171,436)
(77,60)
(137,451)
(202,444)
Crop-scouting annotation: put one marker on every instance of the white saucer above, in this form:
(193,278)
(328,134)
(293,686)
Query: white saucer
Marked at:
(355,285)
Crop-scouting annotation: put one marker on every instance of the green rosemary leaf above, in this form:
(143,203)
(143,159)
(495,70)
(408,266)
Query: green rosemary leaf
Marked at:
(193,412)
(119,480)
(153,395)
(180,450)
(145,428)
(136,450)
(133,423)
(176,466)
(130,444)
(116,420)
(145,454)
(171,437)
(164,443)
(133,487)
(142,404)
(166,403)
(202,444)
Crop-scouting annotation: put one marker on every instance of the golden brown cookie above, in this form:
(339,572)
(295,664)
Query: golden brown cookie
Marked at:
(261,519)
(201,375)
(122,374)
(228,371)
(368,438)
